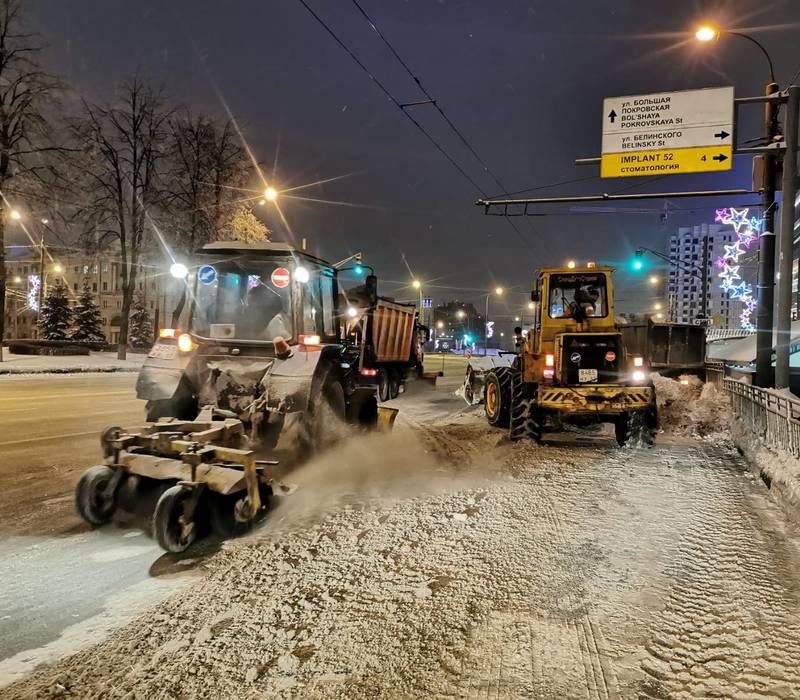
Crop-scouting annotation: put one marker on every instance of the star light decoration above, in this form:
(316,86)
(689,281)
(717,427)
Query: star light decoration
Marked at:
(747,230)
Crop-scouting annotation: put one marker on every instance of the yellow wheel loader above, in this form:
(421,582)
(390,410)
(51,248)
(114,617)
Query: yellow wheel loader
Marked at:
(572,366)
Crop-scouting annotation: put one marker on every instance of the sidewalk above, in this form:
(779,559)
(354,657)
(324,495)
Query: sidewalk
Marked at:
(46,364)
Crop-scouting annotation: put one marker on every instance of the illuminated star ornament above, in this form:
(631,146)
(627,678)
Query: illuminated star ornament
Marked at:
(747,230)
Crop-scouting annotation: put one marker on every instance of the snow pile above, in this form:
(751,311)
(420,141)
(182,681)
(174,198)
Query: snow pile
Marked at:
(688,407)
(66,364)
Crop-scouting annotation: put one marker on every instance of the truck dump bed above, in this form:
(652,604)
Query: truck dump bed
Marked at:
(392,331)
(668,347)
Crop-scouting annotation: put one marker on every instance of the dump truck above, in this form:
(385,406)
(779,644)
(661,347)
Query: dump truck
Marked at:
(671,349)
(391,342)
(273,351)
(572,367)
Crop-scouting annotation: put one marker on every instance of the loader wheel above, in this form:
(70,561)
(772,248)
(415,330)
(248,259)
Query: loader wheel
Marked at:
(172,531)
(384,388)
(95,505)
(637,428)
(496,395)
(526,418)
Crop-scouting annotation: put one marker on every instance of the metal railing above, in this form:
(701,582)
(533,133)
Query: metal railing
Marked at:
(770,416)
(715,373)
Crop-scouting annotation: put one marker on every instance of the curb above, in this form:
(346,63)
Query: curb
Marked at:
(66,370)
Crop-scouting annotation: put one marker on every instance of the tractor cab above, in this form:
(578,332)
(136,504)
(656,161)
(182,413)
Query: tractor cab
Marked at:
(257,294)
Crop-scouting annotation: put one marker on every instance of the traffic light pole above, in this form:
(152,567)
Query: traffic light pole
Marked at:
(788,193)
(765,298)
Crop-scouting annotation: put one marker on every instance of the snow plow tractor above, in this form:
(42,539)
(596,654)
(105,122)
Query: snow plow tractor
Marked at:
(272,358)
(572,367)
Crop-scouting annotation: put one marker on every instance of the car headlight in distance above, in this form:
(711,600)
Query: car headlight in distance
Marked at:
(638,375)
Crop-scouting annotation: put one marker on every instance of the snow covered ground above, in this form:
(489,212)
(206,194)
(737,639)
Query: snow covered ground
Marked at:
(93,362)
(443,561)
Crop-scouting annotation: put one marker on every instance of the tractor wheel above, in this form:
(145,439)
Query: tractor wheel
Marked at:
(526,418)
(95,505)
(384,388)
(328,415)
(496,397)
(173,533)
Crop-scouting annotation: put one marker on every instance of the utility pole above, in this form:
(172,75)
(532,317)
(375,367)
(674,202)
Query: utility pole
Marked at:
(789,189)
(765,298)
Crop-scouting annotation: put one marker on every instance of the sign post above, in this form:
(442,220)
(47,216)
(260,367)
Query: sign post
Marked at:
(668,133)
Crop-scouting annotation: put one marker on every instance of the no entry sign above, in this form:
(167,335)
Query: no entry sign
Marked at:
(281,277)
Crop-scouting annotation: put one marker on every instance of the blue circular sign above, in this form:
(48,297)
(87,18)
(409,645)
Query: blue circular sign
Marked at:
(207,275)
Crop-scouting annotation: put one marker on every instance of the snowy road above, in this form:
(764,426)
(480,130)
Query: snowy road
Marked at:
(65,585)
(441,561)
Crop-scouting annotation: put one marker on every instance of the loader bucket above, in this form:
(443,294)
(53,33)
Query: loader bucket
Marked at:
(386,417)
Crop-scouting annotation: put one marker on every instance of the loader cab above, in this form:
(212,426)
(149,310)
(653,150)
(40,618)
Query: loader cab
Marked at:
(572,299)
(255,294)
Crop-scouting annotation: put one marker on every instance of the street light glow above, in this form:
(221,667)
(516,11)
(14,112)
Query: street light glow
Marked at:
(657,306)
(270,194)
(460,313)
(531,305)
(352,311)
(45,221)
(498,290)
(179,271)
(440,324)
(706,33)
(653,279)
(516,318)
(15,215)
(571,264)
(17,280)
(57,268)
(416,284)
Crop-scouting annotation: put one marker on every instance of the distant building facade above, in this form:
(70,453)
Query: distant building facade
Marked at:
(23,272)
(684,283)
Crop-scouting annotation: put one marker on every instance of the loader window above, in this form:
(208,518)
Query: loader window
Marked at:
(578,295)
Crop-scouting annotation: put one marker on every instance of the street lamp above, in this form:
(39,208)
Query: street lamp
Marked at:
(499,292)
(270,194)
(15,215)
(58,269)
(179,270)
(766,264)
(653,279)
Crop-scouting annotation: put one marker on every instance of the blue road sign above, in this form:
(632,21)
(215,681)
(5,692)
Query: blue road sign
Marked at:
(207,275)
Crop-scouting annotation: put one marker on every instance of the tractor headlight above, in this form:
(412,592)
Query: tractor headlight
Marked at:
(638,375)
(185,343)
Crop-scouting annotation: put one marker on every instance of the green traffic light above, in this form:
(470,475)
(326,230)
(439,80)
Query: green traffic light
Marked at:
(638,264)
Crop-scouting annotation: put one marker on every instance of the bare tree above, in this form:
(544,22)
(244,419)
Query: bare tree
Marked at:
(209,169)
(25,90)
(126,151)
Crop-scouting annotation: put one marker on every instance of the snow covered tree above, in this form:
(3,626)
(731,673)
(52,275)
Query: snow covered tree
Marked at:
(56,314)
(245,227)
(141,336)
(86,317)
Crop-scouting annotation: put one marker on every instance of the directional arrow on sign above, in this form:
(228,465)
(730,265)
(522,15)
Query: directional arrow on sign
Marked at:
(720,157)
(722,134)
(612,115)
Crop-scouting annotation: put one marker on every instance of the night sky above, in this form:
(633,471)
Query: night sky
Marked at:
(524,81)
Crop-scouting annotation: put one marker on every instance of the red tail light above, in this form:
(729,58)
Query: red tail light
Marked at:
(367,372)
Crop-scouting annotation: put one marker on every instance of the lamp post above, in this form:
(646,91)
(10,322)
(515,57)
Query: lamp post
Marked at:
(499,292)
(766,262)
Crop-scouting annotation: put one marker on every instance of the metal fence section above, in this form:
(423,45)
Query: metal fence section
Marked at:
(771,416)
(715,373)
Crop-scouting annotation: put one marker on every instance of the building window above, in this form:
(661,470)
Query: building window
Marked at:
(105,286)
(94,286)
